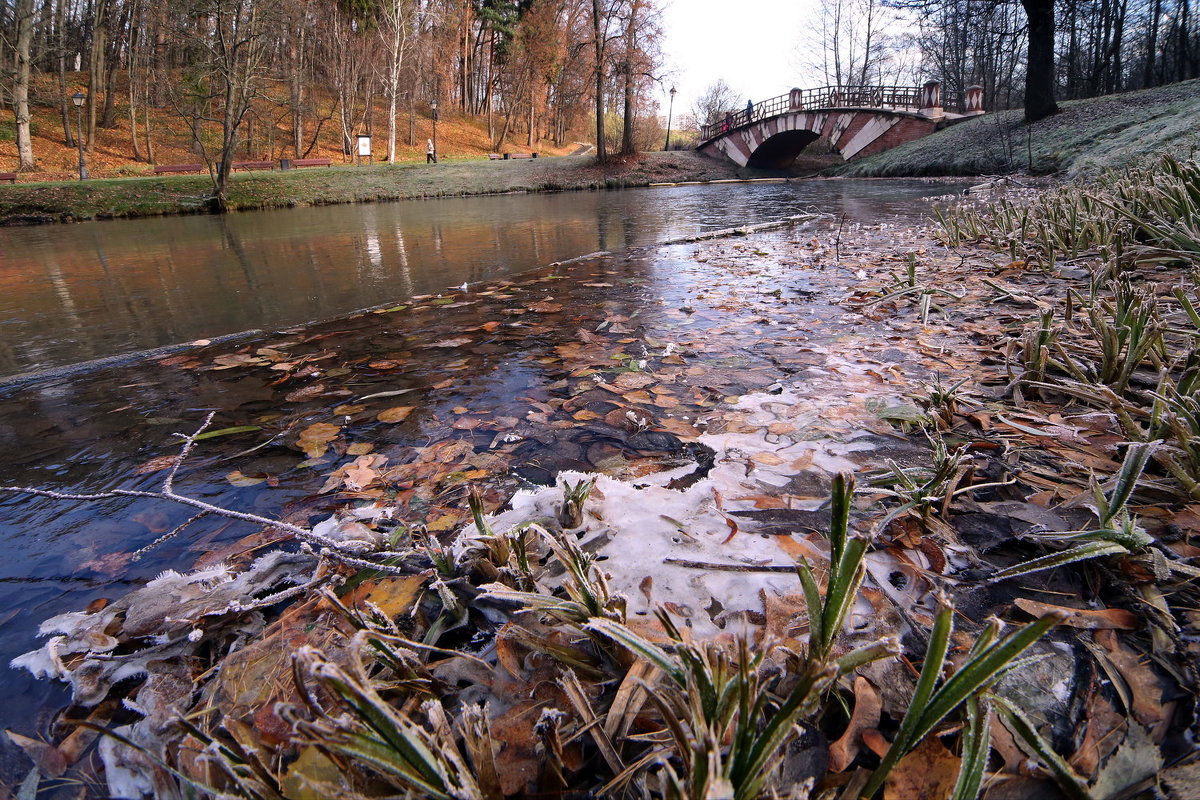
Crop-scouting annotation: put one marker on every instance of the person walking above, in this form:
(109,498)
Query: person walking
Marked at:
(430,153)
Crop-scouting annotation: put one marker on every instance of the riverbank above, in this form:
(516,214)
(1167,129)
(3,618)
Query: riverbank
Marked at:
(1086,137)
(714,391)
(139,197)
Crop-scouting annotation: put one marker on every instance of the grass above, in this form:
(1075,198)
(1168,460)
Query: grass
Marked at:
(1085,138)
(136,197)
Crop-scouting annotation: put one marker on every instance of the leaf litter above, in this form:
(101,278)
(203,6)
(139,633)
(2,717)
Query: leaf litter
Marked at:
(700,423)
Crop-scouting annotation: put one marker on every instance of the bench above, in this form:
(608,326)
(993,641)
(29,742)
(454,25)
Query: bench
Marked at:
(162,169)
(520,155)
(8,177)
(253,165)
(311,162)
(494,156)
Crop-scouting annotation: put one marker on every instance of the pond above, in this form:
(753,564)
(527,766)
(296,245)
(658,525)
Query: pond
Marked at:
(465,361)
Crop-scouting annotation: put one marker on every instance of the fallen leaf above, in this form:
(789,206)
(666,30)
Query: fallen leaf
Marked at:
(314,439)
(867,710)
(1091,618)
(156,464)
(395,414)
(310,392)
(236,478)
(349,410)
(928,772)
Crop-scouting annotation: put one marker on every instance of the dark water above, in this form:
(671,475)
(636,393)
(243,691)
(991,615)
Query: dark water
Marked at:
(77,292)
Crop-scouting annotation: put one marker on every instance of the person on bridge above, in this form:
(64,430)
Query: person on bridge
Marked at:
(749,110)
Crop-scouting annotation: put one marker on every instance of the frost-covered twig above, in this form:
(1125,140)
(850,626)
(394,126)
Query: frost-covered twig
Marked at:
(343,553)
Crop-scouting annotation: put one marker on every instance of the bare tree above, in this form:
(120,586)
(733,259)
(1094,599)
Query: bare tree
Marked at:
(714,102)
(395,30)
(232,43)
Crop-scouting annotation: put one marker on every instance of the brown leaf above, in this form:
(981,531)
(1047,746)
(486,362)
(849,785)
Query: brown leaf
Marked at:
(156,464)
(49,760)
(1090,618)
(867,709)
(349,410)
(544,307)
(1144,689)
(395,414)
(928,772)
(310,392)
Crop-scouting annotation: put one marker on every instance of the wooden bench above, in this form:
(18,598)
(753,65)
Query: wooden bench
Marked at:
(253,165)
(494,156)
(311,162)
(8,177)
(162,169)
(520,155)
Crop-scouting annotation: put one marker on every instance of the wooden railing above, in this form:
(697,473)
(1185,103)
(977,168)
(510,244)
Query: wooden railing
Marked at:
(900,98)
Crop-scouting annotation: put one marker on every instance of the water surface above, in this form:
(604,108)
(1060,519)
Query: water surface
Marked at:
(73,293)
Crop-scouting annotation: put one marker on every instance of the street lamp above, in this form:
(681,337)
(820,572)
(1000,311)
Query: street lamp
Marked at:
(433,113)
(670,110)
(78,99)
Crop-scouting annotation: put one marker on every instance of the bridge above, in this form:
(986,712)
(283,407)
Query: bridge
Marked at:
(858,120)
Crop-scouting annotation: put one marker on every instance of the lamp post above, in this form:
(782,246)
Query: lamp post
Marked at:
(434,113)
(78,98)
(670,110)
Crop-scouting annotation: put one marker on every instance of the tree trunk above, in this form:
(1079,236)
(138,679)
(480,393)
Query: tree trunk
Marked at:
(20,97)
(628,147)
(95,70)
(63,104)
(598,51)
(1039,70)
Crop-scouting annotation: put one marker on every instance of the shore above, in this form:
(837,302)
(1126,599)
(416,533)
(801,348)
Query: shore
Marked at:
(115,198)
(713,391)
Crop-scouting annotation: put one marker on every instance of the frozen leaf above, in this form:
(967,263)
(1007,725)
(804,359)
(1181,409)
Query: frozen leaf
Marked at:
(156,464)
(448,343)
(236,478)
(359,448)
(314,439)
(349,410)
(304,393)
(49,760)
(395,414)
(545,307)
(227,432)
(766,458)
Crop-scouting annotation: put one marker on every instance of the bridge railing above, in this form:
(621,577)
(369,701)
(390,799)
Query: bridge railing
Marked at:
(900,98)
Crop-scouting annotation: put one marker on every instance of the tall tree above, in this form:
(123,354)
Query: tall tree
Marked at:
(24,18)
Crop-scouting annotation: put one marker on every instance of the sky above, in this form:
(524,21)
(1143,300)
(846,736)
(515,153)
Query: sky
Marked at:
(752,44)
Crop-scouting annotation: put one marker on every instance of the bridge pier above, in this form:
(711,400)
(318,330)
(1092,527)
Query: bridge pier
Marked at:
(974,100)
(931,100)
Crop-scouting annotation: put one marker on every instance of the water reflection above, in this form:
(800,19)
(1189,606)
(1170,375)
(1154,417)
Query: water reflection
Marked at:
(74,293)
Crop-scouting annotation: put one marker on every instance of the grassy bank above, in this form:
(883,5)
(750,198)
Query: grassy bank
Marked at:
(1087,136)
(138,197)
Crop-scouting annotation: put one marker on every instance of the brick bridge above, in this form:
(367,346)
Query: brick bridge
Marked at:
(858,120)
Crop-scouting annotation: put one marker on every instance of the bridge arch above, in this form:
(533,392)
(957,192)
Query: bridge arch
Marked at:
(858,121)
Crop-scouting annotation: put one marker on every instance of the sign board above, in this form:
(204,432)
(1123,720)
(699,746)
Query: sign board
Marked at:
(364,145)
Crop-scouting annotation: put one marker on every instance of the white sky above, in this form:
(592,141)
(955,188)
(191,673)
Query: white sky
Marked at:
(752,44)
